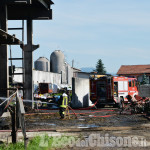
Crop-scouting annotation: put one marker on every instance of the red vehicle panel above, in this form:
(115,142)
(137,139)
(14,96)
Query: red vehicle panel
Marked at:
(110,90)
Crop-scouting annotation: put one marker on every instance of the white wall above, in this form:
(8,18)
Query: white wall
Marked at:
(46,77)
(18,78)
(40,76)
(80,92)
(69,75)
(82,75)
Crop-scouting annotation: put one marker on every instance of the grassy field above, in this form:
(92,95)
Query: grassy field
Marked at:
(41,143)
(37,143)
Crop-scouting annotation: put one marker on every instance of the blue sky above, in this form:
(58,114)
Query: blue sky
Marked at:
(116,31)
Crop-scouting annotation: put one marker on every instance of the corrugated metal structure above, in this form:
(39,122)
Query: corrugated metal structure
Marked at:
(57,62)
(42,64)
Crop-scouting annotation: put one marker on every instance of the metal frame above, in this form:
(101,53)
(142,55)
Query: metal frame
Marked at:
(6,38)
(28,9)
(22,10)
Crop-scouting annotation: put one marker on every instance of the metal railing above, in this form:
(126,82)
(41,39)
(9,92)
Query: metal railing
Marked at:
(17,112)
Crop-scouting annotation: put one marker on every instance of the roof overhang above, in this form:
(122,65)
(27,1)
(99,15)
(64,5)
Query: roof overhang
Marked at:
(6,38)
(28,9)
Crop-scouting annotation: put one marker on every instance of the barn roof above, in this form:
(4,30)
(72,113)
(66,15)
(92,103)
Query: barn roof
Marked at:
(133,69)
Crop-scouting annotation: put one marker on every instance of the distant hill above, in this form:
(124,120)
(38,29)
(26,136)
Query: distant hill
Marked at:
(87,69)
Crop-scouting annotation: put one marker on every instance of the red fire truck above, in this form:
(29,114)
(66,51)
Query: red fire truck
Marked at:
(111,90)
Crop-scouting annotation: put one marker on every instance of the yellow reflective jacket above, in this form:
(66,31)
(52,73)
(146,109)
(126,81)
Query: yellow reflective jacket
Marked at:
(64,100)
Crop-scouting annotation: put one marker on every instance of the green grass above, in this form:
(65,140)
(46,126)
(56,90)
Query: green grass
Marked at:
(38,143)
(18,146)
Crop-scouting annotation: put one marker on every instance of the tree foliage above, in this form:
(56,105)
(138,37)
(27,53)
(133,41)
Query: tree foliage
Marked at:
(145,79)
(100,69)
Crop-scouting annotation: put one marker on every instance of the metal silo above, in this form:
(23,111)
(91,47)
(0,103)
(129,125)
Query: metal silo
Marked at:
(57,60)
(42,64)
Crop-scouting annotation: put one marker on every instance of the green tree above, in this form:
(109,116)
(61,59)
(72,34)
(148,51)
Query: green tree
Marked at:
(100,69)
(145,79)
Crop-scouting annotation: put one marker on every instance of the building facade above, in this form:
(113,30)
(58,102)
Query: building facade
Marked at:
(138,71)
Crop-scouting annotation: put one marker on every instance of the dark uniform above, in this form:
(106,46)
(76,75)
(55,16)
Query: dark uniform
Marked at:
(63,103)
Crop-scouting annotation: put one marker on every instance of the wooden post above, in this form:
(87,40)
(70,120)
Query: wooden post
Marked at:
(17,116)
(21,119)
(13,121)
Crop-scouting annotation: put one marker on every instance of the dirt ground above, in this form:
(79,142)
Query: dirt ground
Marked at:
(102,122)
(102,117)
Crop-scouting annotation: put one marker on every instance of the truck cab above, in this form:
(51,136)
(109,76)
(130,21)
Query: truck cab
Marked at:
(101,89)
(107,89)
(124,86)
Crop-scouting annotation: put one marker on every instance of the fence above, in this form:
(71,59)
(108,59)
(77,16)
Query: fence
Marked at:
(144,90)
(17,115)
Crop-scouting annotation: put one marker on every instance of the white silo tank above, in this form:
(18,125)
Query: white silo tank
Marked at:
(57,61)
(42,64)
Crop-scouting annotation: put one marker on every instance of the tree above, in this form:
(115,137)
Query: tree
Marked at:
(145,79)
(100,69)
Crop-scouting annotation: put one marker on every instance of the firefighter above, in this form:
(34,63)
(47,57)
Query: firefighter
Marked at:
(63,103)
(69,97)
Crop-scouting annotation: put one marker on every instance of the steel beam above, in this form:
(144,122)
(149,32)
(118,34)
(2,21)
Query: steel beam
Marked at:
(19,12)
(18,1)
(4,78)
(28,9)
(44,4)
(6,38)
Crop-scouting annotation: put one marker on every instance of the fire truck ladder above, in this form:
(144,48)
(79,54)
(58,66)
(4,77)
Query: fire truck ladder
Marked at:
(22,58)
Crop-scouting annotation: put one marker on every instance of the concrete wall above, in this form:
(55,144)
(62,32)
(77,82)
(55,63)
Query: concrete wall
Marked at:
(80,92)
(69,75)
(63,77)
(40,76)
(82,75)
(47,77)
(144,90)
